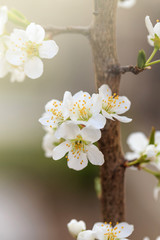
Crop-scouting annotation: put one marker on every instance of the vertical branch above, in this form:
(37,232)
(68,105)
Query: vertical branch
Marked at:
(102,38)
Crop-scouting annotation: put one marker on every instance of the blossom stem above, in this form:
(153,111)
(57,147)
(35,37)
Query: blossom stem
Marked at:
(152,55)
(152,63)
(156,174)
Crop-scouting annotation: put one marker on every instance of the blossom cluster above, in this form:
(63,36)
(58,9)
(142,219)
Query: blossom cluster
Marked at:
(21,50)
(100,231)
(126,3)
(147,153)
(73,125)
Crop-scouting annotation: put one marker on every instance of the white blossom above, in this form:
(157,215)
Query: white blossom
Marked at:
(140,146)
(152,30)
(55,114)
(126,3)
(84,109)
(26,48)
(105,231)
(3,18)
(147,238)
(156,192)
(113,105)
(49,142)
(87,235)
(79,146)
(75,227)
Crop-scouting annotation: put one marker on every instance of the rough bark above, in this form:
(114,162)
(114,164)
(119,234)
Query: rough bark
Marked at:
(102,38)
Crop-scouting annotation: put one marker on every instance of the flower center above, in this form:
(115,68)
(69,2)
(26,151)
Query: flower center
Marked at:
(31,49)
(111,103)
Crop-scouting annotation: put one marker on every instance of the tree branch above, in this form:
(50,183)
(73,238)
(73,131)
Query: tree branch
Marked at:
(54,30)
(124,69)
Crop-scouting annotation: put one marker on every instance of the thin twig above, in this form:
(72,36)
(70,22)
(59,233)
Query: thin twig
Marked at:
(53,31)
(124,69)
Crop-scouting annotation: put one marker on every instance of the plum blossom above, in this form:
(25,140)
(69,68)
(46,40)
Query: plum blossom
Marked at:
(49,142)
(156,191)
(126,3)
(140,146)
(105,231)
(55,114)
(84,109)
(26,48)
(147,238)
(87,235)
(75,227)
(154,32)
(3,18)
(79,146)
(113,105)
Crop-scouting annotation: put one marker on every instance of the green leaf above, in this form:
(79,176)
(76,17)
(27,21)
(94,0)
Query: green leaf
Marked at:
(141,60)
(152,136)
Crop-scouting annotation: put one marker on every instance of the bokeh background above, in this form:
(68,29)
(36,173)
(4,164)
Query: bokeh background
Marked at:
(38,196)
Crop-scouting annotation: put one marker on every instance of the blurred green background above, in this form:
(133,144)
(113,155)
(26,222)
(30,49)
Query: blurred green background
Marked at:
(38,196)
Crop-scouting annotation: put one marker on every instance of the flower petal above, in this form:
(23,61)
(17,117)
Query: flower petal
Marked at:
(122,118)
(67,130)
(131,156)
(35,33)
(60,151)
(16,58)
(75,227)
(105,90)
(122,105)
(86,235)
(94,155)
(149,26)
(124,230)
(137,142)
(90,134)
(77,164)
(98,121)
(33,68)
(107,115)
(48,49)
(157,29)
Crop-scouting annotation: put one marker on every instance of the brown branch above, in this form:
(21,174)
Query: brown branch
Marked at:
(124,69)
(54,30)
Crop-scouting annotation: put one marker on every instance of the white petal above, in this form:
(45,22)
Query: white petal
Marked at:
(3,18)
(126,3)
(158,238)
(137,142)
(146,238)
(122,118)
(75,227)
(48,49)
(94,155)
(67,130)
(77,164)
(157,137)
(33,68)
(149,26)
(156,192)
(48,144)
(131,156)
(35,33)
(16,58)
(98,121)
(150,41)
(124,230)
(86,235)
(104,90)
(157,29)
(90,134)
(123,103)
(107,115)
(97,104)
(60,151)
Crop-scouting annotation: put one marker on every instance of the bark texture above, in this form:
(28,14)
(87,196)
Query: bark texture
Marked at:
(103,41)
